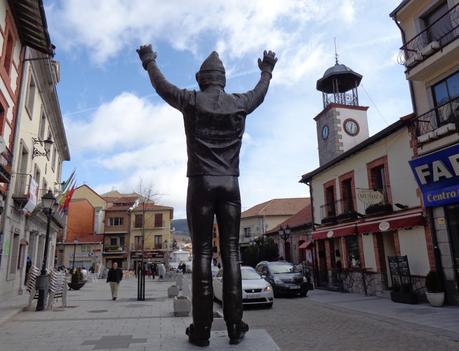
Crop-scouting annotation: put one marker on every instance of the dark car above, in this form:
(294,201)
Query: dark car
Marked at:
(283,278)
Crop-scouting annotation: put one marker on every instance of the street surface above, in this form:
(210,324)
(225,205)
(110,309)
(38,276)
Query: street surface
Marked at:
(324,321)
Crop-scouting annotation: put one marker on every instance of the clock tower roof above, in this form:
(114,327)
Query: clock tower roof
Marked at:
(338,79)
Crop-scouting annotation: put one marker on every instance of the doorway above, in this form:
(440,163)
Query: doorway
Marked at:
(452,216)
(386,247)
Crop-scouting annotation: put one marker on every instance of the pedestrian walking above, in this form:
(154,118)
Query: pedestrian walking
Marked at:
(114,276)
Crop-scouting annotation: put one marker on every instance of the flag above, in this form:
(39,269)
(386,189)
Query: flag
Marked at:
(66,184)
(68,197)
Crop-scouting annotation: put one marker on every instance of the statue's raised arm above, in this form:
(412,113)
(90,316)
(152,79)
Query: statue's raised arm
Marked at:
(256,96)
(169,92)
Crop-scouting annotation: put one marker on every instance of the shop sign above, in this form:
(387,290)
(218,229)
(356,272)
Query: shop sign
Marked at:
(437,175)
(369,196)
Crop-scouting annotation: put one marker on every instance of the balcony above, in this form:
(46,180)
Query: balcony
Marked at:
(114,249)
(432,39)
(5,166)
(328,213)
(438,122)
(376,201)
(21,192)
(346,210)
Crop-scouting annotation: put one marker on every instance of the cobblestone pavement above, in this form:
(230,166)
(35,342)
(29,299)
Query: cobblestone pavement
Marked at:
(319,322)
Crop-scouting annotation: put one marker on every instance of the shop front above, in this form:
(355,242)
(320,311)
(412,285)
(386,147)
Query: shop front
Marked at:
(354,256)
(437,175)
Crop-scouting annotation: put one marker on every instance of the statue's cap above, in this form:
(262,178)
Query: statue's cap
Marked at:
(212,63)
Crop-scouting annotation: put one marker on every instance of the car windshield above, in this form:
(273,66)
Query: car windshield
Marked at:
(248,274)
(281,268)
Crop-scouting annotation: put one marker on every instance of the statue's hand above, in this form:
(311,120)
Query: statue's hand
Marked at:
(146,55)
(269,61)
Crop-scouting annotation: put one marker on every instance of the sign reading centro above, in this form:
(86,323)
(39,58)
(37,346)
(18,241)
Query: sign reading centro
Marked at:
(369,196)
(437,175)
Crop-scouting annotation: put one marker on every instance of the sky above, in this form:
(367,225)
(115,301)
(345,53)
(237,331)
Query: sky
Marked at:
(123,136)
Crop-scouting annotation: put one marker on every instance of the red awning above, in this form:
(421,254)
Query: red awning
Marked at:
(387,224)
(334,232)
(305,245)
(403,220)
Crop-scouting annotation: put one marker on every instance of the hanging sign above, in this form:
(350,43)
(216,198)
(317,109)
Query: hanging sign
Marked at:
(437,175)
(369,196)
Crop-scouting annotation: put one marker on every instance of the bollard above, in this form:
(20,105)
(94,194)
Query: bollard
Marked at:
(172,291)
(182,306)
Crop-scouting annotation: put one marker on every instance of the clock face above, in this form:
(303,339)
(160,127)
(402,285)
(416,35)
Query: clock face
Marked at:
(351,127)
(325,132)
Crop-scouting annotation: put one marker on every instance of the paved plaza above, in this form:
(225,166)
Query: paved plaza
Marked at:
(323,321)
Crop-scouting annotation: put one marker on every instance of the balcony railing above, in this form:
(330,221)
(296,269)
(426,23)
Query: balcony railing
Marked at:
(328,213)
(442,119)
(433,38)
(345,210)
(377,201)
(114,249)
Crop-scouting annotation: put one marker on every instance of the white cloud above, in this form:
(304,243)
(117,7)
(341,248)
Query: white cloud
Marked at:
(106,27)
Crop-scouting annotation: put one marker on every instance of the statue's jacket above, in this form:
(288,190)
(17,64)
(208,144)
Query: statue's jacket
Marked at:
(214,122)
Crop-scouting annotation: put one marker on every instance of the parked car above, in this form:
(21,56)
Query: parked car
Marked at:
(283,278)
(255,290)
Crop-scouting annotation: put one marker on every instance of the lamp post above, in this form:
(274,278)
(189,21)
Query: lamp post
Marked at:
(48,201)
(284,234)
(75,243)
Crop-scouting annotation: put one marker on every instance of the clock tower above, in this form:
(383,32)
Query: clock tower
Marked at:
(343,123)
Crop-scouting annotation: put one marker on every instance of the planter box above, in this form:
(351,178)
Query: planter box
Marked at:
(404,297)
(76,286)
(182,306)
(436,299)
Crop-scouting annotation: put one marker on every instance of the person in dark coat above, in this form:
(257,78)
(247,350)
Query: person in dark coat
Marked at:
(115,275)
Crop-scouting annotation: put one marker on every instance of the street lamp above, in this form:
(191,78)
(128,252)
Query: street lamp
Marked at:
(75,243)
(284,234)
(48,202)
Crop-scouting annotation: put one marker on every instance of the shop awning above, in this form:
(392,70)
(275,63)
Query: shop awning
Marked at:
(305,245)
(383,224)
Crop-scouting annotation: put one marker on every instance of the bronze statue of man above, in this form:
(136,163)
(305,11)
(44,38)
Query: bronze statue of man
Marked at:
(214,126)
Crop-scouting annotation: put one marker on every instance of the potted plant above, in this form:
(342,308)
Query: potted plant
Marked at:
(435,293)
(77,281)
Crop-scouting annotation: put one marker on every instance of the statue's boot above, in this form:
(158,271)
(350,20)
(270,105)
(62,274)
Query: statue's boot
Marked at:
(198,335)
(236,331)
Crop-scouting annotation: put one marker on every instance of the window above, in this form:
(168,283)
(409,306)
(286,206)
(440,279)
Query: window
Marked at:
(158,220)
(437,23)
(446,90)
(353,251)
(377,178)
(53,159)
(14,254)
(41,130)
(347,195)
(158,241)
(113,242)
(138,221)
(115,221)
(330,201)
(37,175)
(122,241)
(30,95)
(138,242)
(8,53)
(247,233)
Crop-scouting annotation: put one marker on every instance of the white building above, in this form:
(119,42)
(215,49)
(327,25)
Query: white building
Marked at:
(36,165)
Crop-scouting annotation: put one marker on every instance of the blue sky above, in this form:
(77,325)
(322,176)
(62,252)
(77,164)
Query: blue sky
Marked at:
(121,134)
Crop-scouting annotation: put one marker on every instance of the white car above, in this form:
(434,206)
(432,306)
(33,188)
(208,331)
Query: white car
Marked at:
(255,290)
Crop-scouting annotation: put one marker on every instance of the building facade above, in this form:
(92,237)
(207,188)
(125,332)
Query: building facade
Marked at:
(366,205)
(36,138)
(261,218)
(430,54)
(150,233)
